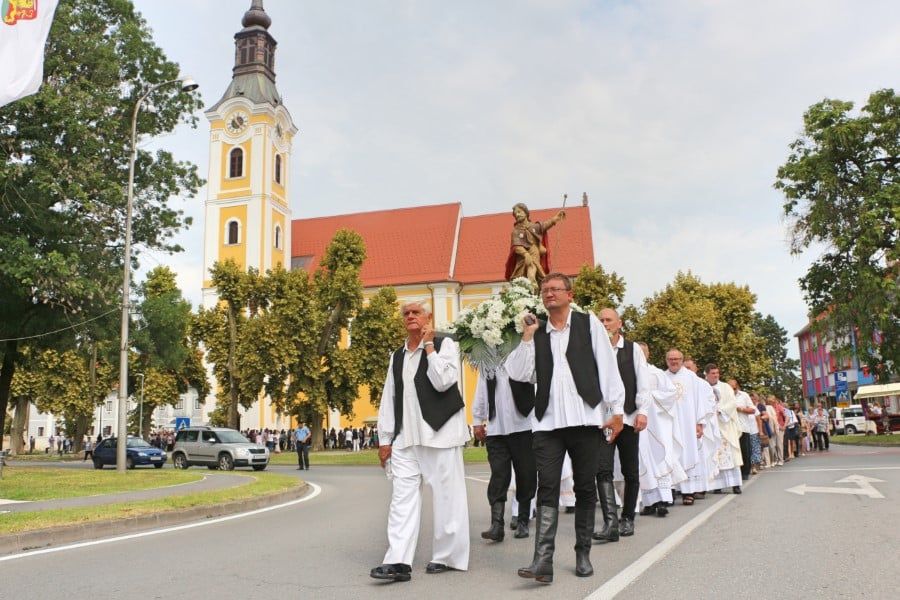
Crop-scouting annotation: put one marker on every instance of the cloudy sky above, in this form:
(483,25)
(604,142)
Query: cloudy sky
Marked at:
(672,115)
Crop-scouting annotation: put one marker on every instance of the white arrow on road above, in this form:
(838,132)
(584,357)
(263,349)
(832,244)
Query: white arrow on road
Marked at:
(863,483)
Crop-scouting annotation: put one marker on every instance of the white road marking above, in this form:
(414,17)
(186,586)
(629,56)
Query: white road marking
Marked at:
(477,479)
(864,487)
(833,469)
(630,574)
(316,491)
(2,502)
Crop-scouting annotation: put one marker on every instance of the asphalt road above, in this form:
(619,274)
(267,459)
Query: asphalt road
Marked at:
(768,542)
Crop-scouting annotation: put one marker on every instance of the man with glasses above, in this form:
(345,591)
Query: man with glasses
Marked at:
(689,424)
(578,385)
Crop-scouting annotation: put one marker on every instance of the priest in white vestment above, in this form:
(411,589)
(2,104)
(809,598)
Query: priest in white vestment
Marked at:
(688,423)
(728,457)
(660,469)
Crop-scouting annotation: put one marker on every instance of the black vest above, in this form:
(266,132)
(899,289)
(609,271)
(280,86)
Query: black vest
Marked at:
(437,407)
(625,359)
(522,393)
(579,355)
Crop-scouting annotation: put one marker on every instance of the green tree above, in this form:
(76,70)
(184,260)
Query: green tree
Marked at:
(64,155)
(841,184)
(708,322)
(783,380)
(595,288)
(376,330)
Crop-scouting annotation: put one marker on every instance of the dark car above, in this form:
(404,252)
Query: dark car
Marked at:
(138,451)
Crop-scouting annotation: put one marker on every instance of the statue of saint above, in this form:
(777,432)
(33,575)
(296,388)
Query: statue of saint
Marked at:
(528,246)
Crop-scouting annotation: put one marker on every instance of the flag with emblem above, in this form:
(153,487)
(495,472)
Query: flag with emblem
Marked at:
(23,33)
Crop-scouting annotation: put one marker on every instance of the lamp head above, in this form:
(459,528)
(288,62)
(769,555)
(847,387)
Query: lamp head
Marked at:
(188,85)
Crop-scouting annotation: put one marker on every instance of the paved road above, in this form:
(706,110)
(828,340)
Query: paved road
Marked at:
(766,542)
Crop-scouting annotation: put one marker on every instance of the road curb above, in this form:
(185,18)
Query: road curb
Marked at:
(70,534)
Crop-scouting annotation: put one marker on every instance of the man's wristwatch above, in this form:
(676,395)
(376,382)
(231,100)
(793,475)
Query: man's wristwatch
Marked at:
(428,344)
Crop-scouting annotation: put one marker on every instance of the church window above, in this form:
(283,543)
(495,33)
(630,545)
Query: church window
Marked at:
(236,163)
(278,168)
(278,236)
(233,232)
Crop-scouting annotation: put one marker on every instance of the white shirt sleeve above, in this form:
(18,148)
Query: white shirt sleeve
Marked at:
(480,408)
(644,386)
(386,409)
(443,366)
(520,362)
(610,381)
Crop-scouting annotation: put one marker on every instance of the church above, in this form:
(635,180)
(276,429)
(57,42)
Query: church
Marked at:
(431,252)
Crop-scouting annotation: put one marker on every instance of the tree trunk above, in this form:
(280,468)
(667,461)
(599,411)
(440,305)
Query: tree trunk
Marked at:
(233,421)
(6,376)
(16,437)
(317,442)
(81,427)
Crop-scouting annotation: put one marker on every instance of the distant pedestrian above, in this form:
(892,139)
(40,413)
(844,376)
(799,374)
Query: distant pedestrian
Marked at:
(88,449)
(30,444)
(302,439)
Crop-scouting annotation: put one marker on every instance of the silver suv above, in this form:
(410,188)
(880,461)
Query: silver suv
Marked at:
(217,448)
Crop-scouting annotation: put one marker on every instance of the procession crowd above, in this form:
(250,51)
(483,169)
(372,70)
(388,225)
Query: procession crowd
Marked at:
(573,410)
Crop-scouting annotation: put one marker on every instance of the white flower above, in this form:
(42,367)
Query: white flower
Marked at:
(492,337)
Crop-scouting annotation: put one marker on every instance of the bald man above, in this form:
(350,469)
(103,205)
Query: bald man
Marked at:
(635,376)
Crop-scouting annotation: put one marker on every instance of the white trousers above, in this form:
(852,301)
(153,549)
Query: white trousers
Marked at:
(441,469)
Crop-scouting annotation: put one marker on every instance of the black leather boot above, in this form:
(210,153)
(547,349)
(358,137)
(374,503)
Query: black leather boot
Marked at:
(522,522)
(495,533)
(584,527)
(626,526)
(610,531)
(541,567)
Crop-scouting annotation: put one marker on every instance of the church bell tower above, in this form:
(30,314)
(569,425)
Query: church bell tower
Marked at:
(247,211)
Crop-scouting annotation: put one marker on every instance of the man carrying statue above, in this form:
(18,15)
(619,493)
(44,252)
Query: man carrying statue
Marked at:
(528,245)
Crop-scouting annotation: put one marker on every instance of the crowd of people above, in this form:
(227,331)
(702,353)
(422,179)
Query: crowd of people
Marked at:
(575,416)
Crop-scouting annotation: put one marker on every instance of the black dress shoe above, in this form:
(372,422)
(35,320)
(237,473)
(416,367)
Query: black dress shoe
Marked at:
(626,527)
(570,510)
(433,568)
(661,510)
(736,489)
(395,572)
(648,510)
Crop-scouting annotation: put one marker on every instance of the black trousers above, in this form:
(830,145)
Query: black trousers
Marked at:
(303,455)
(504,453)
(627,445)
(821,440)
(550,448)
(745,454)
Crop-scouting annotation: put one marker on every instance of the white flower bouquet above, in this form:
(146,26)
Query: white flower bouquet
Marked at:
(488,332)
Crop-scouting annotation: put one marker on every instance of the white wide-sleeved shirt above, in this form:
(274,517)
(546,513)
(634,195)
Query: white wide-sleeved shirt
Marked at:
(642,381)
(443,372)
(566,408)
(746,420)
(507,419)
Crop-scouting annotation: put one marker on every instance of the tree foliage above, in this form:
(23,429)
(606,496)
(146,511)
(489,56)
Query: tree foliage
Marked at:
(708,322)
(841,183)
(783,380)
(64,155)
(595,288)
(376,330)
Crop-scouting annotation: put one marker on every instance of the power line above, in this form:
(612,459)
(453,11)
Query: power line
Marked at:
(40,335)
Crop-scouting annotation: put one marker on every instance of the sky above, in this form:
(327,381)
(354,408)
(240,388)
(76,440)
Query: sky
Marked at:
(673,116)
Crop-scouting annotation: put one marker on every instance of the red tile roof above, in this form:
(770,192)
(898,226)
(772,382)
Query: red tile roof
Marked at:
(403,246)
(415,245)
(484,244)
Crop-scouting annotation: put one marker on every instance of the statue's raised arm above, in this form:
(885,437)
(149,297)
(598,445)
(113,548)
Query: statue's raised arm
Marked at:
(528,245)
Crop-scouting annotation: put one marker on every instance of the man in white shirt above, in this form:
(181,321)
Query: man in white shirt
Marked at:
(506,407)
(422,430)
(692,412)
(578,384)
(632,368)
(747,420)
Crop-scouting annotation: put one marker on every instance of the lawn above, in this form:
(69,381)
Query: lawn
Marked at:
(363,457)
(45,483)
(867,440)
(258,484)
(50,457)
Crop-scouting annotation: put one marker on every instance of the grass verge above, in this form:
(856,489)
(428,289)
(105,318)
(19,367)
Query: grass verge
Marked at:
(258,484)
(23,483)
(363,457)
(867,440)
(41,457)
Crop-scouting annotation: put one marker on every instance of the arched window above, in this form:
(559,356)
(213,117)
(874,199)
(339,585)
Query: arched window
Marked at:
(236,163)
(233,232)
(278,236)
(278,168)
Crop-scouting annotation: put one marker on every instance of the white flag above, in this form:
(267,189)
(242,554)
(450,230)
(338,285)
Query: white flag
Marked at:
(23,33)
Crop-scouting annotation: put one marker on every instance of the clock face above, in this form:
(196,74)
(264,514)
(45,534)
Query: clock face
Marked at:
(237,122)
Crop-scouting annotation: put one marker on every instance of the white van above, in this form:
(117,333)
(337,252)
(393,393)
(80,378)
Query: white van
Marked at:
(848,420)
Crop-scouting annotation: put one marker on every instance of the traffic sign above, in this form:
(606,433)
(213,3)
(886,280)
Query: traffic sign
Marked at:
(182,423)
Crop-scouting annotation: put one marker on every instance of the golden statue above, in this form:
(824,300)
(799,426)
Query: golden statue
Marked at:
(528,246)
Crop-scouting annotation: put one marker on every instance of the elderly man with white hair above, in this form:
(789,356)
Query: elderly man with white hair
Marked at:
(422,430)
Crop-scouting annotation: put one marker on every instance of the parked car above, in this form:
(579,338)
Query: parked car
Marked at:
(849,420)
(137,452)
(217,448)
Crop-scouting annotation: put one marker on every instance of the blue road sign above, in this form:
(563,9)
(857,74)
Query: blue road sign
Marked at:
(841,392)
(182,422)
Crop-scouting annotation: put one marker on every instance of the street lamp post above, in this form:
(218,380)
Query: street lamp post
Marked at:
(187,85)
